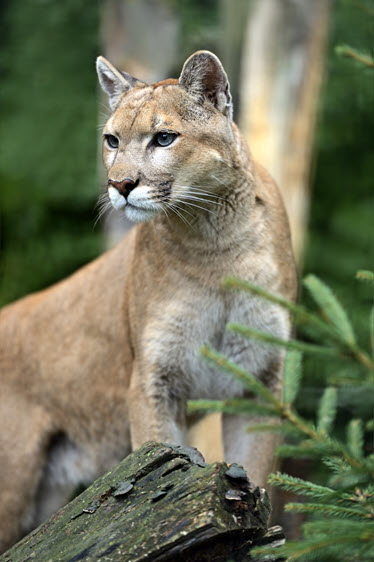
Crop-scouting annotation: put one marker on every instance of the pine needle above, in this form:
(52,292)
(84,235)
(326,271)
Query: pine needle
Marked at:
(291,376)
(299,486)
(365,275)
(327,410)
(287,344)
(329,509)
(284,428)
(330,307)
(355,438)
(234,406)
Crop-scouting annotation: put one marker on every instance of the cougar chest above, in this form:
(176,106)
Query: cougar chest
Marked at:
(187,323)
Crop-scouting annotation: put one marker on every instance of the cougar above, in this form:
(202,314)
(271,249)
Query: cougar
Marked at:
(105,360)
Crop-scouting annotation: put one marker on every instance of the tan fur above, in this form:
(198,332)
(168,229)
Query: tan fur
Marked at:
(106,359)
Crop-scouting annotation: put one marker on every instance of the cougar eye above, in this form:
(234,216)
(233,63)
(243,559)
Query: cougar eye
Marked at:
(164,139)
(112,141)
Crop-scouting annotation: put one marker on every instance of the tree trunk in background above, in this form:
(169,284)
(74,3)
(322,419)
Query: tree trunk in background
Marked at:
(128,43)
(282,70)
(233,24)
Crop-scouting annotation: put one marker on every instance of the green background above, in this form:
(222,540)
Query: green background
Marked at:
(48,134)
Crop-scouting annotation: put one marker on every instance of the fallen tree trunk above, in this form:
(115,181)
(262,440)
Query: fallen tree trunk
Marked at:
(162,502)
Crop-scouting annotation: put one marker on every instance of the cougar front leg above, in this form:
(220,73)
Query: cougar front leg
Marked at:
(255,451)
(157,409)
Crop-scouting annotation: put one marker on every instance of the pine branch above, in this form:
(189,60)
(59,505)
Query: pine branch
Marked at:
(301,315)
(283,428)
(346,51)
(299,486)
(233,406)
(329,509)
(320,444)
(312,548)
(307,449)
(362,357)
(287,344)
(353,473)
(336,464)
(327,410)
(323,444)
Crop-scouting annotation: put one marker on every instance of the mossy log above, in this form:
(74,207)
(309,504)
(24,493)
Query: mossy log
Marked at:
(162,502)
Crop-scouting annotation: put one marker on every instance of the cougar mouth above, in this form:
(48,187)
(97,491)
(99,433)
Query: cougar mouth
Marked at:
(139,214)
(138,207)
(118,201)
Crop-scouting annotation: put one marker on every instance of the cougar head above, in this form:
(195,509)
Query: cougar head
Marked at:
(167,147)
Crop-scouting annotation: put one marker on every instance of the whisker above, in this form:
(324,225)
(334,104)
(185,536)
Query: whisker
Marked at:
(98,204)
(103,198)
(174,208)
(106,110)
(174,203)
(165,211)
(220,181)
(105,206)
(201,199)
(177,189)
(194,205)
(227,162)
(202,187)
(200,191)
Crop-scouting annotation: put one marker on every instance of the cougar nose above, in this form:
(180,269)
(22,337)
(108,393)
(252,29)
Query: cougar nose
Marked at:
(125,186)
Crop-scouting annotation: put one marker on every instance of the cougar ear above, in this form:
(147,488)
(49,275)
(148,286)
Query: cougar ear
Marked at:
(114,82)
(204,76)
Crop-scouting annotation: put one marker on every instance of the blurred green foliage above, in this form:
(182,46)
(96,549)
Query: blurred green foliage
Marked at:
(341,229)
(342,213)
(48,114)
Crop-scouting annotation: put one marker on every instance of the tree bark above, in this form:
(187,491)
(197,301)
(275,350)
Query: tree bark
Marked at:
(281,80)
(162,502)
